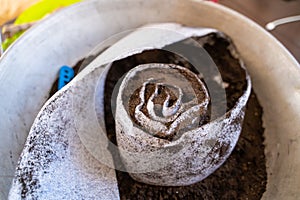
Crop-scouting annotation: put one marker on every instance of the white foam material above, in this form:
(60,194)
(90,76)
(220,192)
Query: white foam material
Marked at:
(55,164)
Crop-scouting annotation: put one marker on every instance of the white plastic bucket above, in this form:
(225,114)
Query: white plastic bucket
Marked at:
(30,66)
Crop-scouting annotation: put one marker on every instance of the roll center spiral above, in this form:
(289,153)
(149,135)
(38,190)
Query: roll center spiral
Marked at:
(165,100)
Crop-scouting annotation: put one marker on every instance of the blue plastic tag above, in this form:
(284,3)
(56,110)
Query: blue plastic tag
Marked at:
(66,74)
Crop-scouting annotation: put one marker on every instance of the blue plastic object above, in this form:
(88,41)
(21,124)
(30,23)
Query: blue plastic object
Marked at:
(66,74)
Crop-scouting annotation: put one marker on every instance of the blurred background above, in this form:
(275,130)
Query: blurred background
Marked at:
(261,11)
(265,11)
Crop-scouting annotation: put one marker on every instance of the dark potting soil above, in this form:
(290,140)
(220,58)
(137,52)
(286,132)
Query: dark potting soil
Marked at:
(243,175)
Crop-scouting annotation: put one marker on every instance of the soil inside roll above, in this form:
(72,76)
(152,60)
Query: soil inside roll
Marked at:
(243,175)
